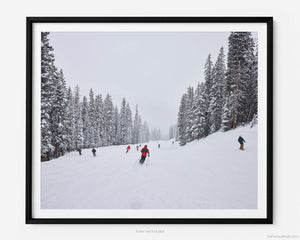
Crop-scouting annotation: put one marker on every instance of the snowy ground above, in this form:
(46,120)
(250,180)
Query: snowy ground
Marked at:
(211,173)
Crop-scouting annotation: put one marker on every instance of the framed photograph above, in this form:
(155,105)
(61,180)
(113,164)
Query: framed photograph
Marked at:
(149,120)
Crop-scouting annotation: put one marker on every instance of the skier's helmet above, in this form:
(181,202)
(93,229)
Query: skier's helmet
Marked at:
(145,145)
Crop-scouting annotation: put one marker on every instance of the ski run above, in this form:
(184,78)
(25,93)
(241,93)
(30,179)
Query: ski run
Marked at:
(210,173)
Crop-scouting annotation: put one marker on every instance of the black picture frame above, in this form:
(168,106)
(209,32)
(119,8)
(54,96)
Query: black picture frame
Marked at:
(29,120)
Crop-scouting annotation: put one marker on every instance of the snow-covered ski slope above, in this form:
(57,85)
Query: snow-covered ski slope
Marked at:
(210,173)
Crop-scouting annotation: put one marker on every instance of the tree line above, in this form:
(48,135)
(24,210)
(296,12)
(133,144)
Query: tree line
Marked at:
(69,123)
(227,97)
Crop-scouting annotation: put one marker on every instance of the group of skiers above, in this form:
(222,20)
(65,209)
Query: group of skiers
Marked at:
(145,150)
(93,151)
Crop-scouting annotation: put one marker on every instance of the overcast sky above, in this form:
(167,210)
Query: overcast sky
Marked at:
(151,69)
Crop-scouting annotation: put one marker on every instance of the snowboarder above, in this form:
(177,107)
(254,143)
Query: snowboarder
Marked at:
(158,145)
(144,152)
(128,148)
(94,152)
(241,141)
(79,150)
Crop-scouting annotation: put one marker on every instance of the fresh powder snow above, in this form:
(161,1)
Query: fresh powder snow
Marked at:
(210,173)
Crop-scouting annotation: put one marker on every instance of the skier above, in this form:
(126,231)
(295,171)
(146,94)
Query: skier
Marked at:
(137,147)
(94,152)
(172,142)
(158,145)
(79,150)
(128,148)
(144,152)
(241,141)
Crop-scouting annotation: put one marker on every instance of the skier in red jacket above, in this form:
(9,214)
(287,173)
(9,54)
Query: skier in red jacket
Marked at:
(128,148)
(144,152)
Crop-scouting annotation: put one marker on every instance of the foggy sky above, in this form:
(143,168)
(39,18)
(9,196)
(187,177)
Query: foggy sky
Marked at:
(151,69)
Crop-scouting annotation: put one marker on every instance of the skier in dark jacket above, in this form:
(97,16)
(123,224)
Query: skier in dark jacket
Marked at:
(144,152)
(241,141)
(94,152)
(158,145)
(79,150)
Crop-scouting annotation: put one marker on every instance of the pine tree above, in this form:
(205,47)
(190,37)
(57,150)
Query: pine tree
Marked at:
(123,123)
(116,122)
(92,118)
(86,126)
(239,75)
(181,122)
(208,75)
(58,115)
(70,121)
(173,132)
(99,121)
(108,113)
(189,115)
(253,89)
(216,102)
(227,121)
(200,124)
(78,135)
(47,87)
(129,123)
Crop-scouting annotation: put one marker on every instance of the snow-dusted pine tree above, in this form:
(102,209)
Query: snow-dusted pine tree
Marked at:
(227,120)
(123,124)
(47,89)
(92,117)
(181,121)
(129,123)
(253,90)
(86,126)
(116,121)
(200,127)
(58,114)
(99,120)
(189,115)
(240,75)
(216,102)
(70,121)
(108,114)
(208,76)
(78,135)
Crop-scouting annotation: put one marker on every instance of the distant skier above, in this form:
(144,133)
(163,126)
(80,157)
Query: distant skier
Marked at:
(172,142)
(128,148)
(241,141)
(137,147)
(158,145)
(144,152)
(79,150)
(94,152)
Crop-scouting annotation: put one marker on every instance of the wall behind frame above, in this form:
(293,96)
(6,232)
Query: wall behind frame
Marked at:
(286,114)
